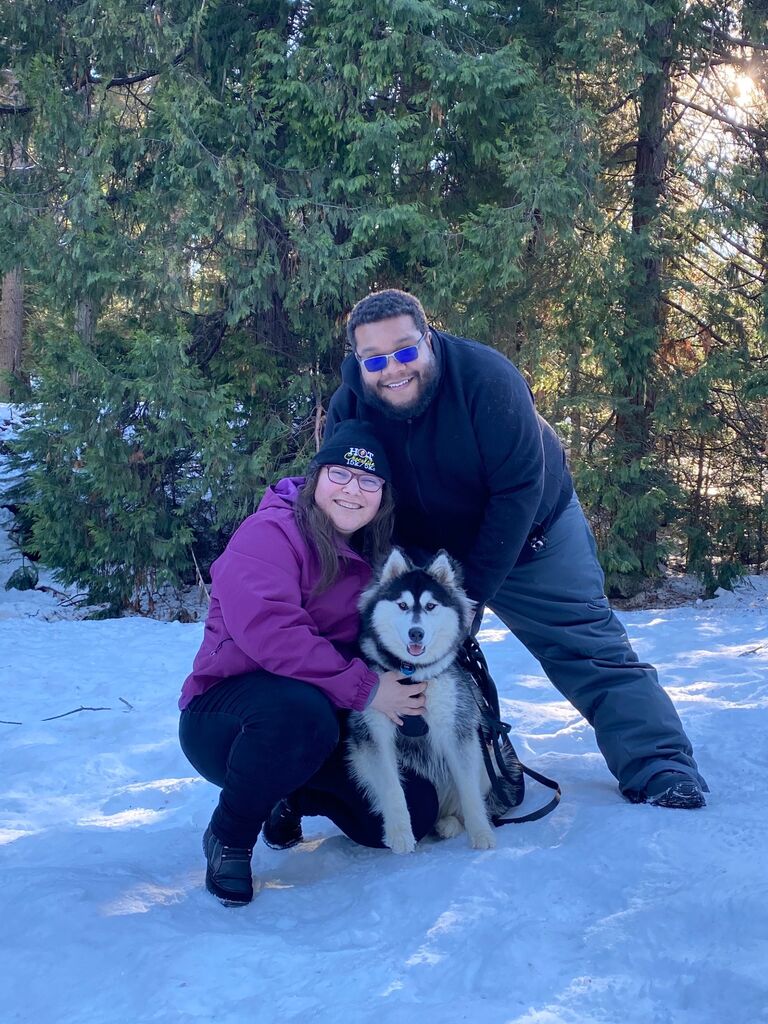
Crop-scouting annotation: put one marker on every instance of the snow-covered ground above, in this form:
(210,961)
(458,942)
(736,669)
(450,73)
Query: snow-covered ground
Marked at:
(602,912)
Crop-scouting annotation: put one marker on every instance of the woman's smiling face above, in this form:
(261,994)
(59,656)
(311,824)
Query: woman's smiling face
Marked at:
(347,505)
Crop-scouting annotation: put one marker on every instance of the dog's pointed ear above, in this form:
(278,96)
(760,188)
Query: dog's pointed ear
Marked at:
(395,566)
(443,568)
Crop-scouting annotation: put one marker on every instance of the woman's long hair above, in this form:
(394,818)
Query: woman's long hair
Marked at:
(372,541)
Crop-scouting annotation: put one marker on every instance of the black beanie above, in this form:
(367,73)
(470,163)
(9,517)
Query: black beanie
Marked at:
(352,443)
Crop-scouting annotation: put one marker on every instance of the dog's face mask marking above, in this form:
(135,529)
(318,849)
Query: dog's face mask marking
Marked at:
(411,625)
(415,618)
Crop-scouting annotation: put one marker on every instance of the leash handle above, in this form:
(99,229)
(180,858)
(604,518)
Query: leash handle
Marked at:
(496,727)
(473,661)
(542,811)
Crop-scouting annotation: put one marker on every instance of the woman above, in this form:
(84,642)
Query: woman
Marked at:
(263,705)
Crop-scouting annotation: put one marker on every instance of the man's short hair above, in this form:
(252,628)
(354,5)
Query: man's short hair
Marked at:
(383,305)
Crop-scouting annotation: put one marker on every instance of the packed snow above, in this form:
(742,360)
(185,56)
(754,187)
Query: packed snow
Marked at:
(601,912)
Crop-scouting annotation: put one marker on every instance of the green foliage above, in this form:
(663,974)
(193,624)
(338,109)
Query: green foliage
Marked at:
(723,542)
(23,578)
(630,500)
(107,452)
(198,193)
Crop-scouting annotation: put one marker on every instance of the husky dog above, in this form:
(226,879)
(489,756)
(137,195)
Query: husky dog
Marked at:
(413,620)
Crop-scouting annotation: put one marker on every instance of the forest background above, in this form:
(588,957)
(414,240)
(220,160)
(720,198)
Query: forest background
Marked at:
(194,194)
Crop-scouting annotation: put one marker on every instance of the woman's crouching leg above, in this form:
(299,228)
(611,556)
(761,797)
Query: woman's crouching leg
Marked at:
(259,737)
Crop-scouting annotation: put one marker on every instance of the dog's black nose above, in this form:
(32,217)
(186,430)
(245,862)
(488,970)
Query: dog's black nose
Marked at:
(415,635)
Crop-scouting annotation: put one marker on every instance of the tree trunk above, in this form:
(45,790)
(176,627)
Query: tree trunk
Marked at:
(574,410)
(12,289)
(11,328)
(643,299)
(85,321)
(85,325)
(642,304)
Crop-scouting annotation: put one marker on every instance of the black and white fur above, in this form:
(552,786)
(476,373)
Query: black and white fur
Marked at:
(416,618)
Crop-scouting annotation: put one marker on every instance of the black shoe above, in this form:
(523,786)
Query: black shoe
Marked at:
(229,871)
(673,789)
(282,829)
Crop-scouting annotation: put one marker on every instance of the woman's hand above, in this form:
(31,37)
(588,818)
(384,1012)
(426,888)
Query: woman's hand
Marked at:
(395,699)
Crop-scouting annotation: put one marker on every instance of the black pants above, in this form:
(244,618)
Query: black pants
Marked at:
(261,737)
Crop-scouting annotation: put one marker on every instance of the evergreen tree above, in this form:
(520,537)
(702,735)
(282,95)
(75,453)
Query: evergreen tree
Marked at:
(196,195)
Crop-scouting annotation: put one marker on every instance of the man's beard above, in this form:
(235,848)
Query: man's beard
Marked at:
(428,387)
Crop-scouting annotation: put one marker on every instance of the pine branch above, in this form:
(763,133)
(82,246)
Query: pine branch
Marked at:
(6,109)
(704,326)
(736,41)
(74,711)
(200,580)
(52,590)
(712,277)
(730,241)
(113,83)
(740,129)
(142,76)
(752,650)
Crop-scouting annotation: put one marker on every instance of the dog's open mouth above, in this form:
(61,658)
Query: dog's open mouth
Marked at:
(416,650)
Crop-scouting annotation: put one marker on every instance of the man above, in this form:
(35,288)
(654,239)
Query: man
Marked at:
(477,471)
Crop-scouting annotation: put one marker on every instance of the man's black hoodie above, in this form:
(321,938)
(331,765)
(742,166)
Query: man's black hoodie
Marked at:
(477,471)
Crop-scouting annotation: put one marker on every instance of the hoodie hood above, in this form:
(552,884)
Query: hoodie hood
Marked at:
(283,494)
(281,497)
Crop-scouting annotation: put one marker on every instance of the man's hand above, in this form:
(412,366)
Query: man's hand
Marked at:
(395,699)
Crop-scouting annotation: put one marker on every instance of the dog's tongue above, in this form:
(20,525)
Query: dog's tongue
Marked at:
(415,650)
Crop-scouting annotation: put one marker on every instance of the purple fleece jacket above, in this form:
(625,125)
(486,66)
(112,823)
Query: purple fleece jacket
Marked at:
(264,614)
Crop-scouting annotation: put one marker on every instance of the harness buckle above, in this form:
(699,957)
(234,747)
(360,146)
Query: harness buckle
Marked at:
(537,539)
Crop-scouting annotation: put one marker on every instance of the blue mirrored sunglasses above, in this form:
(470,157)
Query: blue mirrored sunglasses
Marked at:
(373,364)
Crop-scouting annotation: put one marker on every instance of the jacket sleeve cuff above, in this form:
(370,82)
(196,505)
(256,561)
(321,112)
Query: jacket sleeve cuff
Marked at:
(372,694)
(366,691)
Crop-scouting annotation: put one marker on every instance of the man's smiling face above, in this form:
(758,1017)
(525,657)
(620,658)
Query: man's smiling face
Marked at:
(401,390)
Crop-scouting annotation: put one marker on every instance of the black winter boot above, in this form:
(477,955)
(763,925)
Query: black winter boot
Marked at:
(673,789)
(229,871)
(282,829)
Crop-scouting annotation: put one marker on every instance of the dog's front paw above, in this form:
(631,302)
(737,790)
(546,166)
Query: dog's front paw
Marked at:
(448,827)
(400,840)
(483,839)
